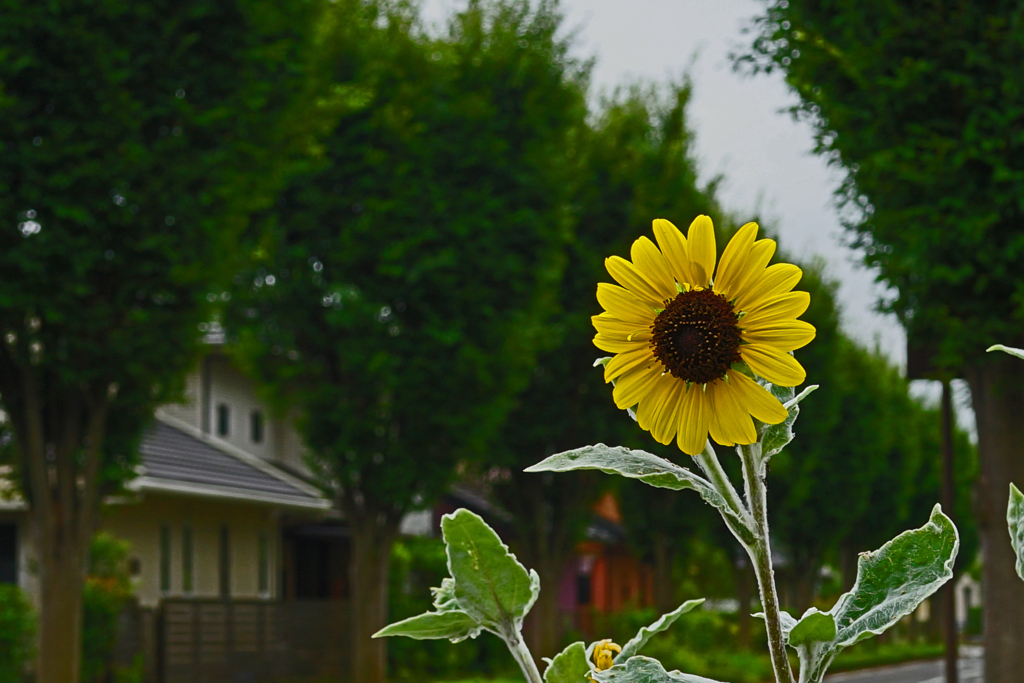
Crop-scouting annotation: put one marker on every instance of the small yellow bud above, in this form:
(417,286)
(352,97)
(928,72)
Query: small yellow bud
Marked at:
(604,654)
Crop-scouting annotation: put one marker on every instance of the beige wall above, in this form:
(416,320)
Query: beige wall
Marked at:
(228,386)
(140,524)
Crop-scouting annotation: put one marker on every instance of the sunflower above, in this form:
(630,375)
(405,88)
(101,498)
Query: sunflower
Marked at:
(686,343)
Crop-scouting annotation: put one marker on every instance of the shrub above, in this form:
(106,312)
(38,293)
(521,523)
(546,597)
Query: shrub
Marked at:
(17,633)
(107,591)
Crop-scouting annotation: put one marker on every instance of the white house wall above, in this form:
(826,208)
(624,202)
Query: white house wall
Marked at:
(140,524)
(220,383)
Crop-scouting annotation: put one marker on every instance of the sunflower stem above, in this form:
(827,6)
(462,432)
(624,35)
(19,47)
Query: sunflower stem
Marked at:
(708,462)
(524,658)
(761,556)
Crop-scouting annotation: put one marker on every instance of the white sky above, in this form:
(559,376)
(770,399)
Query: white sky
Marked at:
(762,153)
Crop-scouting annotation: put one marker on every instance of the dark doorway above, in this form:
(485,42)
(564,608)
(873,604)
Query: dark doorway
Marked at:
(8,553)
(312,568)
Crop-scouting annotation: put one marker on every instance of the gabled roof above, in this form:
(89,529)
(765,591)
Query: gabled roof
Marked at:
(176,461)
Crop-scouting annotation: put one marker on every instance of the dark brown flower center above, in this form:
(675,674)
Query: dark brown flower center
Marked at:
(696,337)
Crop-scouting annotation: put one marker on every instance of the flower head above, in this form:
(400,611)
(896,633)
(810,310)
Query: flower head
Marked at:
(686,337)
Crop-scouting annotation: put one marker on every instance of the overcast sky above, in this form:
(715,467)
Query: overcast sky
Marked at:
(762,153)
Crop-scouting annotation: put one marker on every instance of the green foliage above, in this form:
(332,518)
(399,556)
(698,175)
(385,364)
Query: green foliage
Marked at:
(410,272)
(17,633)
(107,590)
(136,139)
(920,110)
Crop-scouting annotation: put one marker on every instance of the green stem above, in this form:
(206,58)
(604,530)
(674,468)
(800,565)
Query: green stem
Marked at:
(523,658)
(761,556)
(712,468)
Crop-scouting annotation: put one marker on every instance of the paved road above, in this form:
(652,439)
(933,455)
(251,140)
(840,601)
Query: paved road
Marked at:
(917,672)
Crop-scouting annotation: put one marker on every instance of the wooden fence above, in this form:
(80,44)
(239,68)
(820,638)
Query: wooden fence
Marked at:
(252,641)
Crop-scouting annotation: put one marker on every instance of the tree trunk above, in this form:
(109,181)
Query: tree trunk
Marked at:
(997,390)
(664,588)
(372,539)
(61,579)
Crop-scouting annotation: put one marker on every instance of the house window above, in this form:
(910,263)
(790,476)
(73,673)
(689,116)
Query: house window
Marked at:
(256,426)
(263,555)
(223,419)
(225,562)
(165,558)
(186,559)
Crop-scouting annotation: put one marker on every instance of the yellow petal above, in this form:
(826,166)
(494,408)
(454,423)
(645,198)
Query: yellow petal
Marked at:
(664,424)
(612,327)
(623,305)
(650,406)
(700,247)
(730,421)
(781,309)
(734,258)
(627,275)
(654,267)
(757,400)
(775,281)
(785,336)
(778,367)
(634,386)
(628,361)
(673,246)
(760,254)
(612,345)
(693,425)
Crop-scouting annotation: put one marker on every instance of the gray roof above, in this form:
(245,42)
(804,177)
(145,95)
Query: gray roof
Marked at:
(176,461)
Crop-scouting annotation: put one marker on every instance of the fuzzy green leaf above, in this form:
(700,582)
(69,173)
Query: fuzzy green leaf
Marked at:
(645,670)
(632,647)
(568,666)
(1019,353)
(640,465)
(490,584)
(893,580)
(814,626)
(453,625)
(1015,519)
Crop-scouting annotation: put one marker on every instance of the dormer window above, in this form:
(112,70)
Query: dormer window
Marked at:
(223,420)
(256,426)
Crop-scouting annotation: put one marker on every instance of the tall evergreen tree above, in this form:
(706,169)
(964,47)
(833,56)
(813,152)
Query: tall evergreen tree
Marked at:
(135,141)
(404,283)
(919,105)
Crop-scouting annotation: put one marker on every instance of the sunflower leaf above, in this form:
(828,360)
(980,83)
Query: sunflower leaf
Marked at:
(1015,519)
(663,623)
(454,625)
(642,466)
(645,670)
(569,666)
(490,584)
(1019,353)
(891,583)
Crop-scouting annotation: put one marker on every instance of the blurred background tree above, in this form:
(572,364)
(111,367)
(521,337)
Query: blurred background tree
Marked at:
(135,140)
(919,106)
(403,284)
